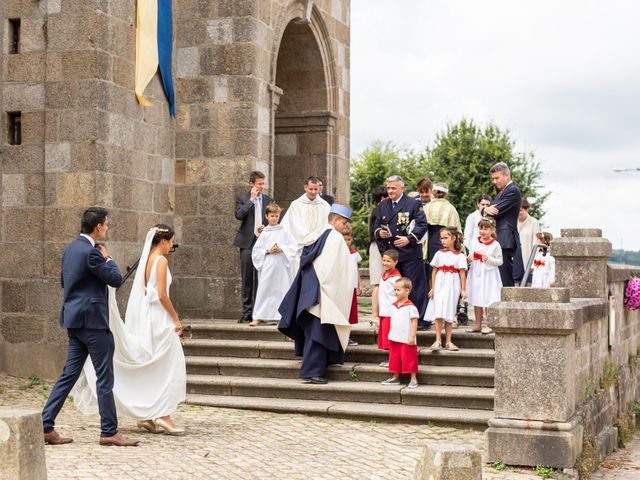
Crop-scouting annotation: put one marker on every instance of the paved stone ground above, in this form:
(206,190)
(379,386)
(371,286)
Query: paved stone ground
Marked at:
(235,444)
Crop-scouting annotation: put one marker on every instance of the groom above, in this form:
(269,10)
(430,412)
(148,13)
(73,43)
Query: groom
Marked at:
(87,269)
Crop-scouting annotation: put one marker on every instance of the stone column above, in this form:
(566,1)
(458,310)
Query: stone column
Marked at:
(535,419)
(21,446)
(581,262)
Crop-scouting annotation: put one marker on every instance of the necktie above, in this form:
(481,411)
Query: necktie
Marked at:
(257,216)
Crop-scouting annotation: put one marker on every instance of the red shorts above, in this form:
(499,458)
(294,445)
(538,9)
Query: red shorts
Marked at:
(383,333)
(403,358)
(353,315)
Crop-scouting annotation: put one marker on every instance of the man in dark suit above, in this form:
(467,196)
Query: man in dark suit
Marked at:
(87,269)
(327,198)
(505,209)
(392,228)
(252,225)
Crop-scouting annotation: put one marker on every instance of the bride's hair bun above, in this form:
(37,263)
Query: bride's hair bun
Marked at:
(163,232)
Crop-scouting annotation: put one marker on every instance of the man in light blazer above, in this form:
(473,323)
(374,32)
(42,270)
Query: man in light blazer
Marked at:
(504,210)
(247,205)
(87,269)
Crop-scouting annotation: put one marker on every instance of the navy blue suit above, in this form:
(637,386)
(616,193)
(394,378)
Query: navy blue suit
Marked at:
(508,203)
(410,263)
(85,314)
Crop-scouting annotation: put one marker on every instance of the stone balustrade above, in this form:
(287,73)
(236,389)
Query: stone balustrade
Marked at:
(566,365)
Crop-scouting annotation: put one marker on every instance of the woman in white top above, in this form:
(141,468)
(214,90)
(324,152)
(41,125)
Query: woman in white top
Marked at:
(471,223)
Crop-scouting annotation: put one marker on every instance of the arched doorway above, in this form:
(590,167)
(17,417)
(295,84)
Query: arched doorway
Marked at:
(304,124)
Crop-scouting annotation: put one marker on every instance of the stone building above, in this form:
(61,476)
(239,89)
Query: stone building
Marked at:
(260,84)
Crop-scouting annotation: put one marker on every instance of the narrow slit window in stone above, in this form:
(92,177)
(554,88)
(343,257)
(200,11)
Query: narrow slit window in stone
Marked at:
(14,128)
(14,35)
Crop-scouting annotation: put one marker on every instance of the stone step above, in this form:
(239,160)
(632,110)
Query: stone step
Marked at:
(361,333)
(476,419)
(480,358)
(350,371)
(342,391)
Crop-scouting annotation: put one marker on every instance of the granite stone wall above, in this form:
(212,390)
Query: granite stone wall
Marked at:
(86,141)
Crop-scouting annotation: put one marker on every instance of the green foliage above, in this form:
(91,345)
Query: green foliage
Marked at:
(33,381)
(499,466)
(462,156)
(626,257)
(626,423)
(353,376)
(544,472)
(609,374)
(589,459)
(369,170)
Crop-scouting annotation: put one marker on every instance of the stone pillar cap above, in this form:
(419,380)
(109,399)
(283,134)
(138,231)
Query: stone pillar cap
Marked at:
(580,232)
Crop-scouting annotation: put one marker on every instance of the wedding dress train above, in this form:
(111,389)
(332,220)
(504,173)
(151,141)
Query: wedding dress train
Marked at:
(148,363)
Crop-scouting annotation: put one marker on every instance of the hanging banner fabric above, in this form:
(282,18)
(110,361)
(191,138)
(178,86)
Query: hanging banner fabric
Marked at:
(165,43)
(146,47)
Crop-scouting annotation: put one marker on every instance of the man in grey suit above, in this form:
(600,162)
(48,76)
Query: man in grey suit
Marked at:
(247,205)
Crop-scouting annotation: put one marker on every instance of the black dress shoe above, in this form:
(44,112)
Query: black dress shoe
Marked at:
(424,327)
(244,320)
(318,380)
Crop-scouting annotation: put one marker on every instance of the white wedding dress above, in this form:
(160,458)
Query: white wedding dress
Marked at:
(148,363)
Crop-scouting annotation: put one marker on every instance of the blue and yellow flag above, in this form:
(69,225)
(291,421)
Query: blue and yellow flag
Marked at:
(154,41)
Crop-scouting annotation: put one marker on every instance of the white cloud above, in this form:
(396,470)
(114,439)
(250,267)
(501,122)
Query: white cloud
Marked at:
(564,77)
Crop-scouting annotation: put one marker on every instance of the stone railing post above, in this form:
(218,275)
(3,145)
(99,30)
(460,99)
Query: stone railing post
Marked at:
(21,446)
(581,262)
(535,419)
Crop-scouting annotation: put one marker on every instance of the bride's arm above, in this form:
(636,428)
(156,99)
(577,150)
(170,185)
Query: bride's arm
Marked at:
(163,296)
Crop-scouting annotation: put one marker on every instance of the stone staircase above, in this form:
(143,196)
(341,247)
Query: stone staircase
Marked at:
(237,366)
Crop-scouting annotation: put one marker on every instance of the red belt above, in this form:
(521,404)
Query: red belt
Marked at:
(477,256)
(538,263)
(449,268)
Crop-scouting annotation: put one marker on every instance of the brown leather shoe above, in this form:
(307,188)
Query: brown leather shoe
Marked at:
(54,438)
(118,440)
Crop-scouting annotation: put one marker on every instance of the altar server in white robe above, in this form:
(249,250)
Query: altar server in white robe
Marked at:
(273,256)
(306,217)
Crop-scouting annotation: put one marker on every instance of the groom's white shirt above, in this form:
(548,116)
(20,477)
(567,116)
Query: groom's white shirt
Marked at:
(93,242)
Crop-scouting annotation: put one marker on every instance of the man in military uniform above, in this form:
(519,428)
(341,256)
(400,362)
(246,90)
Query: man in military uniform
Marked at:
(400,225)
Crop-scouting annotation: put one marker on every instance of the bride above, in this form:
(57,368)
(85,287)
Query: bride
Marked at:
(148,363)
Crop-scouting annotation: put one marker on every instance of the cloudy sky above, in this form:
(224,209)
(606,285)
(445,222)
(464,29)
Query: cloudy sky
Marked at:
(562,76)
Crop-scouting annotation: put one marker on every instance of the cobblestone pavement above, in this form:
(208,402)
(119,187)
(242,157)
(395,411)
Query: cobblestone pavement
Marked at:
(623,464)
(235,444)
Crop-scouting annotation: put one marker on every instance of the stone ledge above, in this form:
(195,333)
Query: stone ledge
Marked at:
(544,318)
(621,273)
(581,232)
(541,295)
(581,247)
(444,461)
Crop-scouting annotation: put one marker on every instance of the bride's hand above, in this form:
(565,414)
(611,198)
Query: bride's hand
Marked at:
(178,328)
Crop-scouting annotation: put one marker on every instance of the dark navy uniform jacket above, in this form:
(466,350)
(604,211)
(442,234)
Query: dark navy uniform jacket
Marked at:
(398,219)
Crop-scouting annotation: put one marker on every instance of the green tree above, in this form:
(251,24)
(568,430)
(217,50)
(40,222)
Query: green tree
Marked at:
(369,170)
(463,154)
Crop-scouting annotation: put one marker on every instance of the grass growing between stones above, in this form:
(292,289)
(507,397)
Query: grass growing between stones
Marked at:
(32,382)
(589,460)
(544,472)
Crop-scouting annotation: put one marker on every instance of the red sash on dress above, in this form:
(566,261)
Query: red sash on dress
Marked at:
(477,256)
(538,263)
(449,268)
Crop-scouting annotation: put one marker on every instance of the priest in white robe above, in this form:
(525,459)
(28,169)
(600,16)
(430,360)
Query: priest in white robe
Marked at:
(315,310)
(273,257)
(307,216)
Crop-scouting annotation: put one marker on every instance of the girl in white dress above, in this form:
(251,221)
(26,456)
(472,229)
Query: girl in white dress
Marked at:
(484,283)
(149,367)
(449,282)
(544,265)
